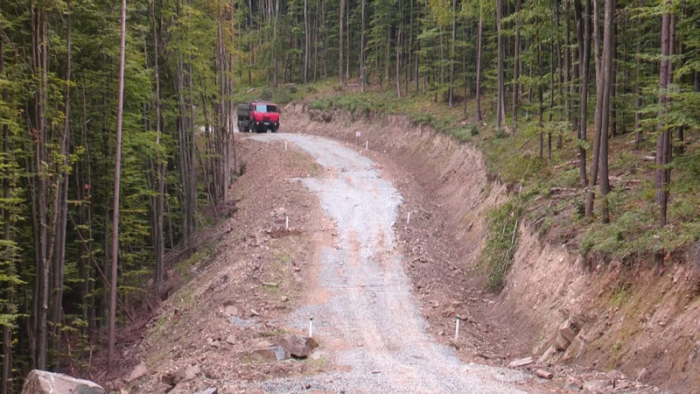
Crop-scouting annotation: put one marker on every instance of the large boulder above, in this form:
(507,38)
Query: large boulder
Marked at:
(43,382)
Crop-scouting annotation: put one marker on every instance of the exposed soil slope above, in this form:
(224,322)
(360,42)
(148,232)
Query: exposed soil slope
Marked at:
(644,322)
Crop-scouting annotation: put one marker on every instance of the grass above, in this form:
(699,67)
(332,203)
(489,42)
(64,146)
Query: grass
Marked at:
(501,243)
(513,158)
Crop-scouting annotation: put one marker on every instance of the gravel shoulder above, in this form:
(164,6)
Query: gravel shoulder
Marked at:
(369,323)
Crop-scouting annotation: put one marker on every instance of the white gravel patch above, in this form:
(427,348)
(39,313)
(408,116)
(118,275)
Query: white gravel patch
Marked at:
(372,311)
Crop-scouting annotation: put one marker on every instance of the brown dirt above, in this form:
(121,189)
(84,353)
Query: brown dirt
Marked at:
(254,268)
(646,318)
(640,324)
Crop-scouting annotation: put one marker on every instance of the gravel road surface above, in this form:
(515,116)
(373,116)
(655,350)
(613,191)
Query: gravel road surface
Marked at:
(371,325)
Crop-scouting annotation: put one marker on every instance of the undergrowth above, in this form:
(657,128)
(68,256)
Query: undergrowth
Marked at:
(501,243)
(548,184)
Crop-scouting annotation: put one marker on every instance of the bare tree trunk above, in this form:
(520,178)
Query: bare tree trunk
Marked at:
(117,173)
(638,90)
(501,105)
(340,43)
(158,238)
(478,62)
(562,100)
(595,161)
(398,63)
(583,34)
(62,206)
(516,66)
(306,41)
(608,81)
(7,252)
(347,38)
(613,92)
(663,142)
(362,49)
(452,54)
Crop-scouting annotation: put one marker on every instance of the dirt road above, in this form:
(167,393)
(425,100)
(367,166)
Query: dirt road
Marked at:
(368,322)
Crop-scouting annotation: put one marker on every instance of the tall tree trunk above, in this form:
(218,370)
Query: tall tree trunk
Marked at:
(608,82)
(398,63)
(560,79)
(501,105)
(117,173)
(583,34)
(478,61)
(567,63)
(158,237)
(613,92)
(362,49)
(340,43)
(595,161)
(452,54)
(516,66)
(638,92)
(7,251)
(663,142)
(306,41)
(62,206)
(347,38)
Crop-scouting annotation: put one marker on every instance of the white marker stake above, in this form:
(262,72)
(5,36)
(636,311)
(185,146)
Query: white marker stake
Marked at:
(286,225)
(408,219)
(367,145)
(457,329)
(285,145)
(311,327)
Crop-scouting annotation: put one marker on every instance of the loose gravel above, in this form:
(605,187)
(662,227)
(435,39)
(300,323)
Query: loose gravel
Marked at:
(372,312)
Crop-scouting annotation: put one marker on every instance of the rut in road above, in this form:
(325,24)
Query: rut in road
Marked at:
(371,312)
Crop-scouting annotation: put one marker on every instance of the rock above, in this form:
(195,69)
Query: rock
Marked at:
(299,347)
(231,339)
(271,353)
(548,355)
(520,362)
(43,382)
(598,386)
(643,374)
(573,384)
(541,373)
(190,373)
(561,343)
(140,371)
(231,310)
(570,328)
(614,374)
(317,355)
(210,390)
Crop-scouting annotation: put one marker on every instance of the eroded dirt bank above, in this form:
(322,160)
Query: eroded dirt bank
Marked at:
(640,323)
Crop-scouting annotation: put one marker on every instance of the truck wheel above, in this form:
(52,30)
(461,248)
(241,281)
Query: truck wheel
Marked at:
(274,129)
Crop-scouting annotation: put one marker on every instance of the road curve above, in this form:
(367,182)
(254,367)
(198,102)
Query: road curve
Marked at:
(371,316)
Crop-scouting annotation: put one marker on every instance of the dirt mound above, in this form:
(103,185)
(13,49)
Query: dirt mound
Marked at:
(642,321)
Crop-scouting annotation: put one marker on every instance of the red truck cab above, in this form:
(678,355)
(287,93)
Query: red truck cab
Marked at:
(264,116)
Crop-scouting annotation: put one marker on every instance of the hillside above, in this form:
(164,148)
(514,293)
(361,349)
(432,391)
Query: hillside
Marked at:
(551,149)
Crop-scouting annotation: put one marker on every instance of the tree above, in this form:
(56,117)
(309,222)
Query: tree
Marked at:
(663,142)
(501,101)
(340,43)
(117,184)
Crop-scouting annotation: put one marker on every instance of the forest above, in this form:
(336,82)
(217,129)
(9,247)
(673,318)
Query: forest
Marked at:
(118,123)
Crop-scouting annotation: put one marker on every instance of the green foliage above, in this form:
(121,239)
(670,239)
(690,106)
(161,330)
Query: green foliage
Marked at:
(501,242)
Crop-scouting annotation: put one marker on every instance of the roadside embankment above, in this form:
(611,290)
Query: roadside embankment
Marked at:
(640,321)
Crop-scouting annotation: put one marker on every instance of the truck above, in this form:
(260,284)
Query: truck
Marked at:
(258,116)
